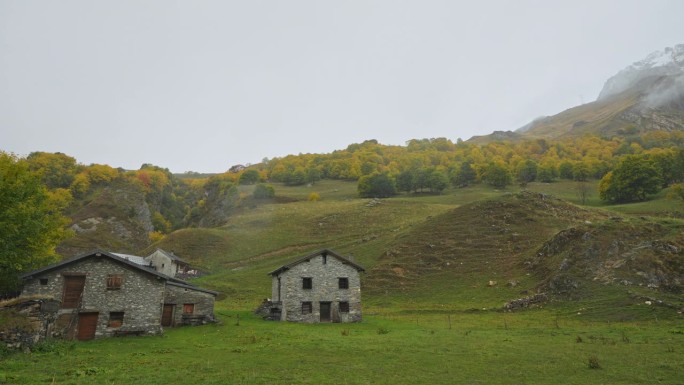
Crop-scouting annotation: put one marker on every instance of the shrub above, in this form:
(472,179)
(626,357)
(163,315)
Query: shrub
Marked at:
(594,363)
(263,191)
(314,197)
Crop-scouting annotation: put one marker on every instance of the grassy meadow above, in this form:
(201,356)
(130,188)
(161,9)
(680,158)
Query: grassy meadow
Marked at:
(443,328)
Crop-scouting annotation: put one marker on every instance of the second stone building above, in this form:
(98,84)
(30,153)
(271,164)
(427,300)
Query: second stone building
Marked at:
(319,287)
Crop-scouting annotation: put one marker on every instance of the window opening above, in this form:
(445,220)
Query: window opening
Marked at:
(116,319)
(307,283)
(114,281)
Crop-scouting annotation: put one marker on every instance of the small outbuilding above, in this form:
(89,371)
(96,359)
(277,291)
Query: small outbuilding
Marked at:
(320,287)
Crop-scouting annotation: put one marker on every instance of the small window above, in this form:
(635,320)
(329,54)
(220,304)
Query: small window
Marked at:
(343,283)
(43,281)
(344,307)
(188,308)
(307,283)
(307,308)
(116,319)
(114,281)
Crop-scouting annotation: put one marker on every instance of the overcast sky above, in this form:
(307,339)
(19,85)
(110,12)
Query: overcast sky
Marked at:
(203,85)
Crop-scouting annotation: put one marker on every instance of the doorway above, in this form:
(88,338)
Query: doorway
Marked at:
(325,312)
(87,325)
(73,288)
(167,315)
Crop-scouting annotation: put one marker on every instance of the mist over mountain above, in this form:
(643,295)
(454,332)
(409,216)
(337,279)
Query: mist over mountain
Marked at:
(647,95)
(668,62)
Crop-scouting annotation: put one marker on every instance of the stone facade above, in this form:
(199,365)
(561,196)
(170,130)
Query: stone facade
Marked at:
(321,287)
(167,263)
(119,297)
(201,311)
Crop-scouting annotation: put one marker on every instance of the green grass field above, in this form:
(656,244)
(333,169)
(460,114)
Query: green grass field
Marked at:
(442,326)
(534,347)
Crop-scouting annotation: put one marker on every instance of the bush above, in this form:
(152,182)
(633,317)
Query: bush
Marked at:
(314,197)
(263,191)
(594,363)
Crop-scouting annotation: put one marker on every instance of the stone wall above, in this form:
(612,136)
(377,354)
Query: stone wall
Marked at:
(140,296)
(28,321)
(162,263)
(325,273)
(203,302)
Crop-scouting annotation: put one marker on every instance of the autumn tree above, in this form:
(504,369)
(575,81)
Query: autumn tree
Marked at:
(31,223)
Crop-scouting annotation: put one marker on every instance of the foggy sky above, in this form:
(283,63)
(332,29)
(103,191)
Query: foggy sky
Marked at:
(203,85)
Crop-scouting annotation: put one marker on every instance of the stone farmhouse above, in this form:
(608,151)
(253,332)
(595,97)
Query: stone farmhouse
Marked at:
(169,263)
(320,287)
(99,294)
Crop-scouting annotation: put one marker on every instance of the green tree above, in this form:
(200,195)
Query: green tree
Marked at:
(31,223)
(377,185)
(496,175)
(437,181)
(527,172)
(632,180)
(313,175)
(405,181)
(565,170)
(249,176)
(464,176)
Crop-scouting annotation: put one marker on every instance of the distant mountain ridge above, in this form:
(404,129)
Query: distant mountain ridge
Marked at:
(647,95)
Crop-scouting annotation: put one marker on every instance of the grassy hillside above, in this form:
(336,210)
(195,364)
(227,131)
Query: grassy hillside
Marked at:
(420,251)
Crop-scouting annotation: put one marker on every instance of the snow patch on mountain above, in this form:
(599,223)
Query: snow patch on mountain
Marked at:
(668,62)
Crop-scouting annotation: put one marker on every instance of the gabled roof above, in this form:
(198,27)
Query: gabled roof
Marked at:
(94,253)
(327,252)
(172,256)
(120,258)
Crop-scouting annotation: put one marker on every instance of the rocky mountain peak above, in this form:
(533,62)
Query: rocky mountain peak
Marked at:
(666,62)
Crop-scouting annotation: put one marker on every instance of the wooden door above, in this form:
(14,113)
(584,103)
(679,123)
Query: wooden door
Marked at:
(73,288)
(87,325)
(325,311)
(167,315)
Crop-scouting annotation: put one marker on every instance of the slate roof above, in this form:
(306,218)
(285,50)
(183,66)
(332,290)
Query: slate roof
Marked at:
(320,252)
(120,258)
(133,258)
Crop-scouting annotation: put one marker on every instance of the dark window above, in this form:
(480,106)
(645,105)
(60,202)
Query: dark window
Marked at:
(114,281)
(307,283)
(343,283)
(325,258)
(116,319)
(307,308)
(43,281)
(188,308)
(344,307)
